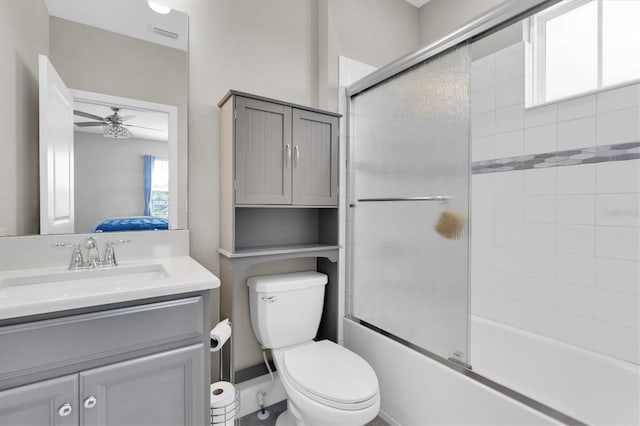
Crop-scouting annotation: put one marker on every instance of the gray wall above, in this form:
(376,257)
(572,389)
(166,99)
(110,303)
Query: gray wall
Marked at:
(24,34)
(374,32)
(279,49)
(92,59)
(441,17)
(109,176)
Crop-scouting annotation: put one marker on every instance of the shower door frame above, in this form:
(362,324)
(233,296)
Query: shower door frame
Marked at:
(494,20)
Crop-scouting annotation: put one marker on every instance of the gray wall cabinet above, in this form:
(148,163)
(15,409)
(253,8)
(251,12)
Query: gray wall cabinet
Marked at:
(278,209)
(315,159)
(284,154)
(86,367)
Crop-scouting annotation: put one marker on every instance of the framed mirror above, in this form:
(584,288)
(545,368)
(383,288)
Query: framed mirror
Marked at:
(116,158)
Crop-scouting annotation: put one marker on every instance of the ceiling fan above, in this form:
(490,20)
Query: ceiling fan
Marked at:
(113,126)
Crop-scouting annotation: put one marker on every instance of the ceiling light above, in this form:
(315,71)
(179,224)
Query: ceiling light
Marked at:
(116,132)
(158,8)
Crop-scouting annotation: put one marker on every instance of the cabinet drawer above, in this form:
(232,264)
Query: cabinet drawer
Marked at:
(41,345)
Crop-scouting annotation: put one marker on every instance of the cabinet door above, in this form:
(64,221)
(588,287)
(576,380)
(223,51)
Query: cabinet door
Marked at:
(263,152)
(48,403)
(165,389)
(315,159)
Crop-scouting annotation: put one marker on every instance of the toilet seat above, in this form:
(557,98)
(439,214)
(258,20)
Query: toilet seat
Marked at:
(331,375)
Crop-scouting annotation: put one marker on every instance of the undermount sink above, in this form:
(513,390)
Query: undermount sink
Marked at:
(35,291)
(60,284)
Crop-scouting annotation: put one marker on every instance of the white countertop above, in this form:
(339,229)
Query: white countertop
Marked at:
(63,290)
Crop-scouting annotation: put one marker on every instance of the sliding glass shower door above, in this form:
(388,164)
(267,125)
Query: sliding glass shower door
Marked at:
(409,164)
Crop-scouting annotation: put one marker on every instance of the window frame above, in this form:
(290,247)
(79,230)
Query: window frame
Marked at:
(535,37)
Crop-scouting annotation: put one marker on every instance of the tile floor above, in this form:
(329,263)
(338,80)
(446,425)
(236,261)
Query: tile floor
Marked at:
(276,409)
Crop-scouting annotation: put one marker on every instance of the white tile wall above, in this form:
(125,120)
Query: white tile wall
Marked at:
(556,251)
(576,133)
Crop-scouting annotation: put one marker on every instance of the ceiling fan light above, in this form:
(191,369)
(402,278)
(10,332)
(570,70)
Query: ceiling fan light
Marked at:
(159,8)
(116,132)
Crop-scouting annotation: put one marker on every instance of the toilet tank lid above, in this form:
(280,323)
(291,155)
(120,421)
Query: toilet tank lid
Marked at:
(286,282)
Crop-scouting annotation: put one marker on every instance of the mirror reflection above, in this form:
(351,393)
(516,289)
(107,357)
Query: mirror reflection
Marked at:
(121,163)
(120,141)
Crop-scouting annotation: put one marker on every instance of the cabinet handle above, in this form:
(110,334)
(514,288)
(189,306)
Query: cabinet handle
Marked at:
(296,159)
(287,157)
(90,401)
(65,410)
(269,298)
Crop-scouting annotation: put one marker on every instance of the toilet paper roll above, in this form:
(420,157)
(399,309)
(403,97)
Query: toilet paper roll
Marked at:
(222,394)
(220,334)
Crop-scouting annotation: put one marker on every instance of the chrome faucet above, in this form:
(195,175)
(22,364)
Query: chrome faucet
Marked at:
(93,255)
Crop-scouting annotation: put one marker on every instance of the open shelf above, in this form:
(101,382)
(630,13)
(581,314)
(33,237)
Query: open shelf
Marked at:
(268,229)
(285,249)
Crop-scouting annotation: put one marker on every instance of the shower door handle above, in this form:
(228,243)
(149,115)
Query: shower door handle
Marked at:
(420,198)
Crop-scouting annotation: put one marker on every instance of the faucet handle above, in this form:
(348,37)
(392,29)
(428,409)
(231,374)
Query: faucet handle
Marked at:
(63,245)
(110,253)
(77,261)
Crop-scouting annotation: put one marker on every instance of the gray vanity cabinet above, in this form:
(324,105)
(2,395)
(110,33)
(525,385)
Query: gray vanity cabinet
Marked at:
(158,390)
(284,154)
(141,362)
(50,402)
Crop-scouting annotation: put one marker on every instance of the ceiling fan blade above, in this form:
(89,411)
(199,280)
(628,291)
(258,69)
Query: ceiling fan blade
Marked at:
(87,115)
(126,117)
(89,124)
(142,127)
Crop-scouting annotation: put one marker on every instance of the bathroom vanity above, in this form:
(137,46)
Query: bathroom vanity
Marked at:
(123,345)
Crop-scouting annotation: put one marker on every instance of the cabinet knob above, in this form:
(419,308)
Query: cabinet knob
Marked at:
(65,410)
(90,401)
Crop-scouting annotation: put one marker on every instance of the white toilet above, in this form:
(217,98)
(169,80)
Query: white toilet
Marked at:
(325,383)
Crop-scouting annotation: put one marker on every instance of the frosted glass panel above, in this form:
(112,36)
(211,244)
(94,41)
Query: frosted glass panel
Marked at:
(410,138)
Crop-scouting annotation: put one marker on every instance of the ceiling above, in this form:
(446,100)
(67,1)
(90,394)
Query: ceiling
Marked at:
(133,18)
(418,3)
(153,119)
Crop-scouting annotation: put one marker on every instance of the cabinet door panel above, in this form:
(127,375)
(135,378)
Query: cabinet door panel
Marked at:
(165,389)
(38,404)
(315,159)
(263,152)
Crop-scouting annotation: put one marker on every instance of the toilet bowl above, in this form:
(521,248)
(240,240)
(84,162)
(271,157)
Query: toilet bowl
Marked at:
(326,384)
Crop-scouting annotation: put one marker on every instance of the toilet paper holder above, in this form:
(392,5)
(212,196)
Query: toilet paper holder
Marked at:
(219,335)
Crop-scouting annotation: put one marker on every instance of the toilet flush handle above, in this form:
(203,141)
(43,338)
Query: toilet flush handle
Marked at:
(269,298)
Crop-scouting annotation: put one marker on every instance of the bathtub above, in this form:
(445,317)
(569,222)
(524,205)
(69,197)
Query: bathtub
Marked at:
(587,386)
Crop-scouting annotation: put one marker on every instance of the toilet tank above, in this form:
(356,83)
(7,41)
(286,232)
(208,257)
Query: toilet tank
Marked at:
(286,308)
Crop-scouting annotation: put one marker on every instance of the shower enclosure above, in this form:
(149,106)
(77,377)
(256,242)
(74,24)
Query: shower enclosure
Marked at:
(538,297)
(409,162)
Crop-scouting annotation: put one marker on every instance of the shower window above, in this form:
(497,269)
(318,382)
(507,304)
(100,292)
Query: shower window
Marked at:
(581,46)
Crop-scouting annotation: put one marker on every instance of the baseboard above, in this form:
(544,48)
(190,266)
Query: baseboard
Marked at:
(387,418)
(249,390)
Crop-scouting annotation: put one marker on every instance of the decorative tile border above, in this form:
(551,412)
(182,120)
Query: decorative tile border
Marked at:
(594,154)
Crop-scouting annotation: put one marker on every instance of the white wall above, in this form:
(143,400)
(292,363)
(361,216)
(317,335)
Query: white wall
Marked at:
(109,177)
(556,251)
(24,34)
